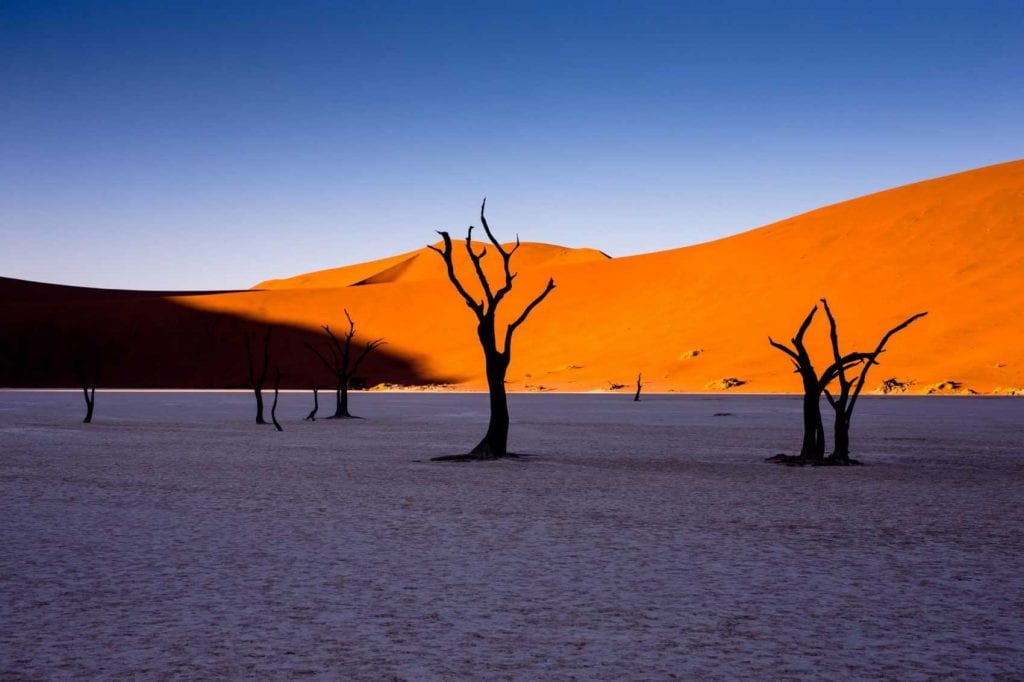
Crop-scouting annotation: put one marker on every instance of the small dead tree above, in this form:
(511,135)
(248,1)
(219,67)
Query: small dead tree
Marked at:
(91,358)
(341,364)
(636,398)
(812,448)
(257,379)
(273,408)
(845,400)
(495,442)
(311,417)
(89,369)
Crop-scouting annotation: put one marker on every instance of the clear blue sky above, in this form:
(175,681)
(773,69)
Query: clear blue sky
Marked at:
(214,144)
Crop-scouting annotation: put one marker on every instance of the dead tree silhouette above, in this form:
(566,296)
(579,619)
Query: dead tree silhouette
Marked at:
(845,400)
(89,369)
(257,379)
(273,408)
(92,356)
(311,417)
(341,364)
(636,398)
(495,442)
(812,448)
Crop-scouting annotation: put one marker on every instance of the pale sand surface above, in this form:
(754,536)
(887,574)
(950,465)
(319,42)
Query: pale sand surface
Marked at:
(173,538)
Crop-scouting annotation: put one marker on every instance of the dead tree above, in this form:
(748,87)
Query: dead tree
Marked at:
(636,398)
(495,442)
(812,448)
(845,400)
(341,364)
(273,408)
(257,379)
(311,417)
(89,368)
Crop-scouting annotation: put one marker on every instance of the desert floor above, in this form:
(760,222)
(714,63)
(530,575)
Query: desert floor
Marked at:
(174,538)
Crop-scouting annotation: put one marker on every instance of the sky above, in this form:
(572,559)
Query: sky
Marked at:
(212,145)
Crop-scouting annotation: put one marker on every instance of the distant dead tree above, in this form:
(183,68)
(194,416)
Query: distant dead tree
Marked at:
(258,378)
(311,417)
(91,358)
(812,448)
(89,363)
(273,408)
(495,442)
(636,398)
(845,400)
(341,364)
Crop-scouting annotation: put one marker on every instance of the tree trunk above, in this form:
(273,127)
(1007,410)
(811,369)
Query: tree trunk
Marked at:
(343,405)
(273,408)
(259,405)
(841,453)
(341,401)
(311,417)
(495,441)
(813,447)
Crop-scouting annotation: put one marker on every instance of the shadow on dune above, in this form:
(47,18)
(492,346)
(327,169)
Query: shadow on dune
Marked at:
(149,340)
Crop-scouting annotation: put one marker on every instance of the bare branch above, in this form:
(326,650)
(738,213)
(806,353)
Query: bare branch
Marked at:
(347,350)
(369,348)
(446,254)
(475,258)
(873,357)
(798,340)
(834,336)
(784,349)
(328,365)
(334,346)
(526,312)
(487,229)
(506,257)
(838,368)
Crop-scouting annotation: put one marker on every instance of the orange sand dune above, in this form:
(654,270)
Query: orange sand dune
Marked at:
(690,318)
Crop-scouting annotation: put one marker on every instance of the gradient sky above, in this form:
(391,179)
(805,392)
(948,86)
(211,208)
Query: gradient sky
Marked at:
(193,145)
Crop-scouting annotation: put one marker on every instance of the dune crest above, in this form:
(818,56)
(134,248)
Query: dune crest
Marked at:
(423,264)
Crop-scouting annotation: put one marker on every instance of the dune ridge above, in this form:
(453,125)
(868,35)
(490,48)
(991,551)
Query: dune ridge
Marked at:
(422,264)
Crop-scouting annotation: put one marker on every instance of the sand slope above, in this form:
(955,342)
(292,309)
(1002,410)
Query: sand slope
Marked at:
(690,317)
